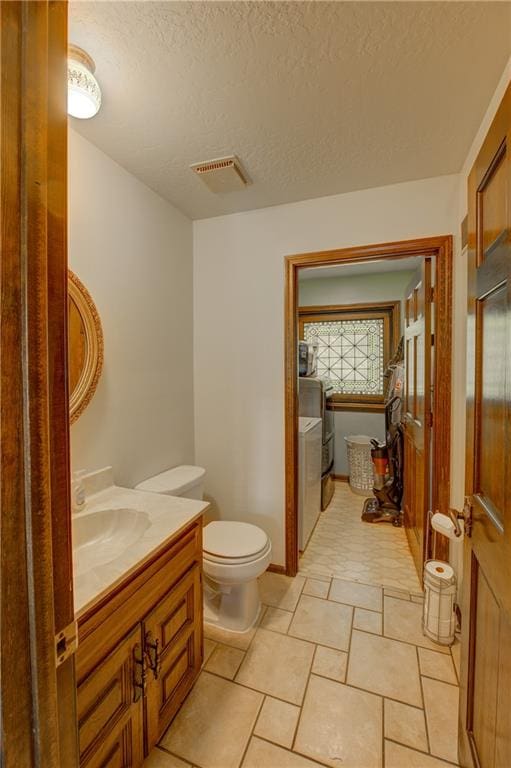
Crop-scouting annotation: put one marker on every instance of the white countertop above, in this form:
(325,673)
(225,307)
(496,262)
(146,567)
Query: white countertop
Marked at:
(166,517)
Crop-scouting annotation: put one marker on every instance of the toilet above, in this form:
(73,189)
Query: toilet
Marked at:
(235,554)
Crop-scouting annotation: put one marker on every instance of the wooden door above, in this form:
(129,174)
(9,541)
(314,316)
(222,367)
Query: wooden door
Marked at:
(111,709)
(417,412)
(485,712)
(173,651)
(38,723)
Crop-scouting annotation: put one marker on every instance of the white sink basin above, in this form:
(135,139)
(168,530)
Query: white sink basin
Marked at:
(102,536)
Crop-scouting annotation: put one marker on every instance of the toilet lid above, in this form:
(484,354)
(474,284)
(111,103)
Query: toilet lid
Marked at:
(229,539)
(173,482)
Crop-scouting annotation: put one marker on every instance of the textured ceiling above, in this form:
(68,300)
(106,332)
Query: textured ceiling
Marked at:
(316,98)
(363,268)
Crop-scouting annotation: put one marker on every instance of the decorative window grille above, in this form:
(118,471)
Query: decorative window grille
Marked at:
(350,354)
(355,344)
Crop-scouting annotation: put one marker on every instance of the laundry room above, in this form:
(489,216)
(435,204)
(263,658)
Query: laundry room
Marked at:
(357,322)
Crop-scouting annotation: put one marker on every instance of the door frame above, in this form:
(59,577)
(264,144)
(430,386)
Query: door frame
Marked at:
(38,724)
(439,247)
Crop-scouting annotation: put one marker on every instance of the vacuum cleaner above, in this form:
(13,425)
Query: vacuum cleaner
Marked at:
(387,457)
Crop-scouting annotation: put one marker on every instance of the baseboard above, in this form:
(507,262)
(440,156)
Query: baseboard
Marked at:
(277,568)
(341,478)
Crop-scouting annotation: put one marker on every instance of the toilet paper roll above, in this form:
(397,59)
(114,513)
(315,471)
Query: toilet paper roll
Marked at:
(439,596)
(440,571)
(444,525)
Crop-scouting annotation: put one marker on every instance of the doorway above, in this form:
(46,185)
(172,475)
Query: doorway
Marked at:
(427,437)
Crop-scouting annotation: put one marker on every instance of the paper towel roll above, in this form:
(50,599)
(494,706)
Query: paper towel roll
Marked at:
(444,525)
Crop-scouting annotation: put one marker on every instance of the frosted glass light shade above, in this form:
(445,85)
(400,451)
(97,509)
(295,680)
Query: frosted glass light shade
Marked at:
(83,91)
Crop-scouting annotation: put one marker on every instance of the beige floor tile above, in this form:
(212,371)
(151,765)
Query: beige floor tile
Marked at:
(277,665)
(159,759)
(277,722)
(340,726)
(368,621)
(280,591)
(312,574)
(343,545)
(330,663)
(277,620)
(321,621)
(403,621)
(262,754)
(397,593)
(384,666)
(417,599)
(406,725)
(316,588)
(361,595)
(441,705)
(239,640)
(214,709)
(209,647)
(225,661)
(397,756)
(437,665)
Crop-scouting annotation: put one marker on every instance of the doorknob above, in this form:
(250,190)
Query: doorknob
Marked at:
(467,515)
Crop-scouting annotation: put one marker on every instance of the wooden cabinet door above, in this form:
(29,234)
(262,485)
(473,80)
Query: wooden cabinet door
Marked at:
(110,709)
(173,650)
(485,712)
(417,411)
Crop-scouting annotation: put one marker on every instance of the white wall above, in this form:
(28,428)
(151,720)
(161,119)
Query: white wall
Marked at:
(354,289)
(377,286)
(239,327)
(133,251)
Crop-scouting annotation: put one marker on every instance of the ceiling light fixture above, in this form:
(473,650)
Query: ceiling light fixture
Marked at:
(83,91)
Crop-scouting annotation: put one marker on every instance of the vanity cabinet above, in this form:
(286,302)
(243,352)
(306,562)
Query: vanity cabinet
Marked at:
(140,650)
(173,648)
(110,715)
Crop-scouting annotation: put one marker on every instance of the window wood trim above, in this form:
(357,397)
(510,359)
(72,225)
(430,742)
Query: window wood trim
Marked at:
(388,311)
(363,407)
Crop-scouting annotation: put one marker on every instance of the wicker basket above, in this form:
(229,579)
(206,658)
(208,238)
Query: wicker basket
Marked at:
(360,464)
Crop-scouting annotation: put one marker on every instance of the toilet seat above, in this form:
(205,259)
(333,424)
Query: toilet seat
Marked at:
(232,561)
(233,543)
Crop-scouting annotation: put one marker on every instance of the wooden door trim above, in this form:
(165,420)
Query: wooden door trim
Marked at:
(34,458)
(439,247)
(417,409)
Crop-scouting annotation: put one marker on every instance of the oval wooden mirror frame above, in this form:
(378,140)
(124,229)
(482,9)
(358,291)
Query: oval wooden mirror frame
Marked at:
(92,365)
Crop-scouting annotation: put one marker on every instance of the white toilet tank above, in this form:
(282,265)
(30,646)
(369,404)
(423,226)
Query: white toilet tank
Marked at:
(185,480)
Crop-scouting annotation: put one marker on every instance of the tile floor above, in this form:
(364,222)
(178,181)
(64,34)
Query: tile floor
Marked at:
(342,545)
(337,674)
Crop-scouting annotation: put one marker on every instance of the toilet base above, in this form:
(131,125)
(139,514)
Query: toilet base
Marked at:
(233,607)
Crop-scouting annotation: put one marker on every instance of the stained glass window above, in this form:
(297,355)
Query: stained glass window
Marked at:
(350,354)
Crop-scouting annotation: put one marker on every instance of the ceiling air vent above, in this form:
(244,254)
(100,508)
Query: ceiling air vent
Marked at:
(222,175)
